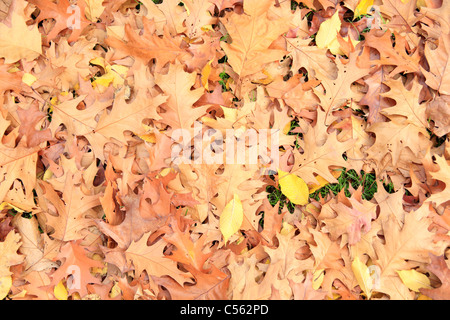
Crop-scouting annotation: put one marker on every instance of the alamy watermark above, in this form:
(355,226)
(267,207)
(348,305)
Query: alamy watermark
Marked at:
(74,20)
(233,146)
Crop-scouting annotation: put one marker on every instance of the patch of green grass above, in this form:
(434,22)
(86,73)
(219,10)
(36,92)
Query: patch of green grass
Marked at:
(223,80)
(349,178)
(346,179)
(276,196)
(295,124)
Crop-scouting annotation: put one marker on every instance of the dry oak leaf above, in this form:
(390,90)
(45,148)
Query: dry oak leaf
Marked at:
(252,33)
(440,268)
(392,137)
(74,210)
(338,91)
(326,252)
(175,16)
(8,253)
(36,283)
(318,156)
(439,112)
(373,97)
(127,116)
(16,163)
(438,58)
(30,120)
(201,179)
(10,80)
(36,247)
(187,251)
(152,260)
(237,179)
(407,103)
(439,12)
(149,45)
(401,14)
(208,286)
(76,262)
(443,174)
(133,227)
(311,58)
(352,220)
(65,17)
(17,40)
(199,16)
(406,246)
(180,113)
(247,281)
(393,54)
(304,290)
(285,258)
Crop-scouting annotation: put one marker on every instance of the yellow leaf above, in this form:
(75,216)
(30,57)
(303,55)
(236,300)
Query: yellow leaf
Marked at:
(293,187)
(421,3)
(47,174)
(318,276)
(164,172)
(414,280)
(148,137)
(207,28)
(206,71)
(335,47)
(362,275)
(115,291)
(287,228)
(362,7)
(328,31)
(5,285)
(114,74)
(98,270)
(7,205)
(99,61)
(60,291)
(28,79)
(231,218)
(230,114)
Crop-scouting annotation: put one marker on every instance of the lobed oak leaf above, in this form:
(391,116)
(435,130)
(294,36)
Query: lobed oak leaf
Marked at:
(407,103)
(133,226)
(405,246)
(26,42)
(180,113)
(152,260)
(249,50)
(76,263)
(338,90)
(72,210)
(304,290)
(440,268)
(187,251)
(8,250)
(443,175)
(149,46)
(318,156)
(207,286)
(65,16)
(36,248)
(439,61)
